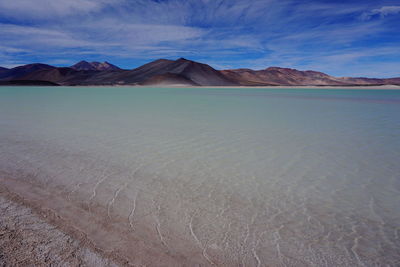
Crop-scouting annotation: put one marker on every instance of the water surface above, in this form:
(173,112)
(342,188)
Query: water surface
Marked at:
(232,177)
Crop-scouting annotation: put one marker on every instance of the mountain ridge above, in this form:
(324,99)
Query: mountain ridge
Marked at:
(182,72)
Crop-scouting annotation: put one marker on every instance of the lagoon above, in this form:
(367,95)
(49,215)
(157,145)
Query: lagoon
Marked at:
(211,176)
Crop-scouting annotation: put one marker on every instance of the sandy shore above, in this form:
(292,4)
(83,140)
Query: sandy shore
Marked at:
(27,239)
(41,226)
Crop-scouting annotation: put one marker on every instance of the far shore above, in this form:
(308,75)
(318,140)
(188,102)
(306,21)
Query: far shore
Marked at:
(356,87)
(24,83)
(391,87)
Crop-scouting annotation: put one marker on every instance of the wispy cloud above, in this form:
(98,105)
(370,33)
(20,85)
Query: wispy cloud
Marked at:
(381,12)
(44,9)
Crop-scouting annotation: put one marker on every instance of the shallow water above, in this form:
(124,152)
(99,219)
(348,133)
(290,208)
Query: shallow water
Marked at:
(248,177)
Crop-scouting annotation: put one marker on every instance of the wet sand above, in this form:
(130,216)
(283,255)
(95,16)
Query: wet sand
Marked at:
(28,239)
(74,233)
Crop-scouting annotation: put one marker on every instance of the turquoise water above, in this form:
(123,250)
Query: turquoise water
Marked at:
(248,177)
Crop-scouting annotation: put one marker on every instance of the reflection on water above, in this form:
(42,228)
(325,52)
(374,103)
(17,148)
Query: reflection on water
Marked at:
(248,177)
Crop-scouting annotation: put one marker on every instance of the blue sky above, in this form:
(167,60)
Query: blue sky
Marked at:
(342,38)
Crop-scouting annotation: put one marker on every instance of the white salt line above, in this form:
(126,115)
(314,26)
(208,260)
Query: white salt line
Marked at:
(130,218)
(111,202)
(256,257)
(192,232)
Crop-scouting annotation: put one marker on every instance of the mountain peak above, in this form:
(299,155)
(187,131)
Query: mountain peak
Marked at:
(97,66)
(182,59)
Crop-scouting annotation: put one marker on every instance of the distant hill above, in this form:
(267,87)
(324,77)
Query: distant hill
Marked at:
(84,65)
(179,72)
(281,76)
(292,77)
(17,72)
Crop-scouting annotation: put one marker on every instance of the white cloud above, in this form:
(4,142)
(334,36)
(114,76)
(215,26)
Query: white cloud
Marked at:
(114,39)
(23,37)
(381,12)
(42,9)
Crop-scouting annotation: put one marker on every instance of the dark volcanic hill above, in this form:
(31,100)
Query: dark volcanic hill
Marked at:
(3,70)
(84,65)
(197,73)
(17,72)
(179,72)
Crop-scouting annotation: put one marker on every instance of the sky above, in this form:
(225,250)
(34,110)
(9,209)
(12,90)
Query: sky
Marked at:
(341,38)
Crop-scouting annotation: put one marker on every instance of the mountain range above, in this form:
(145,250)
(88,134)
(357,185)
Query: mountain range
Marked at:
(180,72)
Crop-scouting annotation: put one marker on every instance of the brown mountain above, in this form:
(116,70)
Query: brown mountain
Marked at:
(394,81)
(84,65)
(370,81)
(281,76)
(58,75)
(180,72)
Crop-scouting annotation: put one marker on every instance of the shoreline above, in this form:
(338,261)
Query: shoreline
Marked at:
(30,237)
(93,236)
(327,87)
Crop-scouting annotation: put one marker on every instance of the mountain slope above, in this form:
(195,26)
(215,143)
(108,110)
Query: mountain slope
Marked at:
(366,81)
(56,75)
(169,79)
(199,73)
(3,71)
